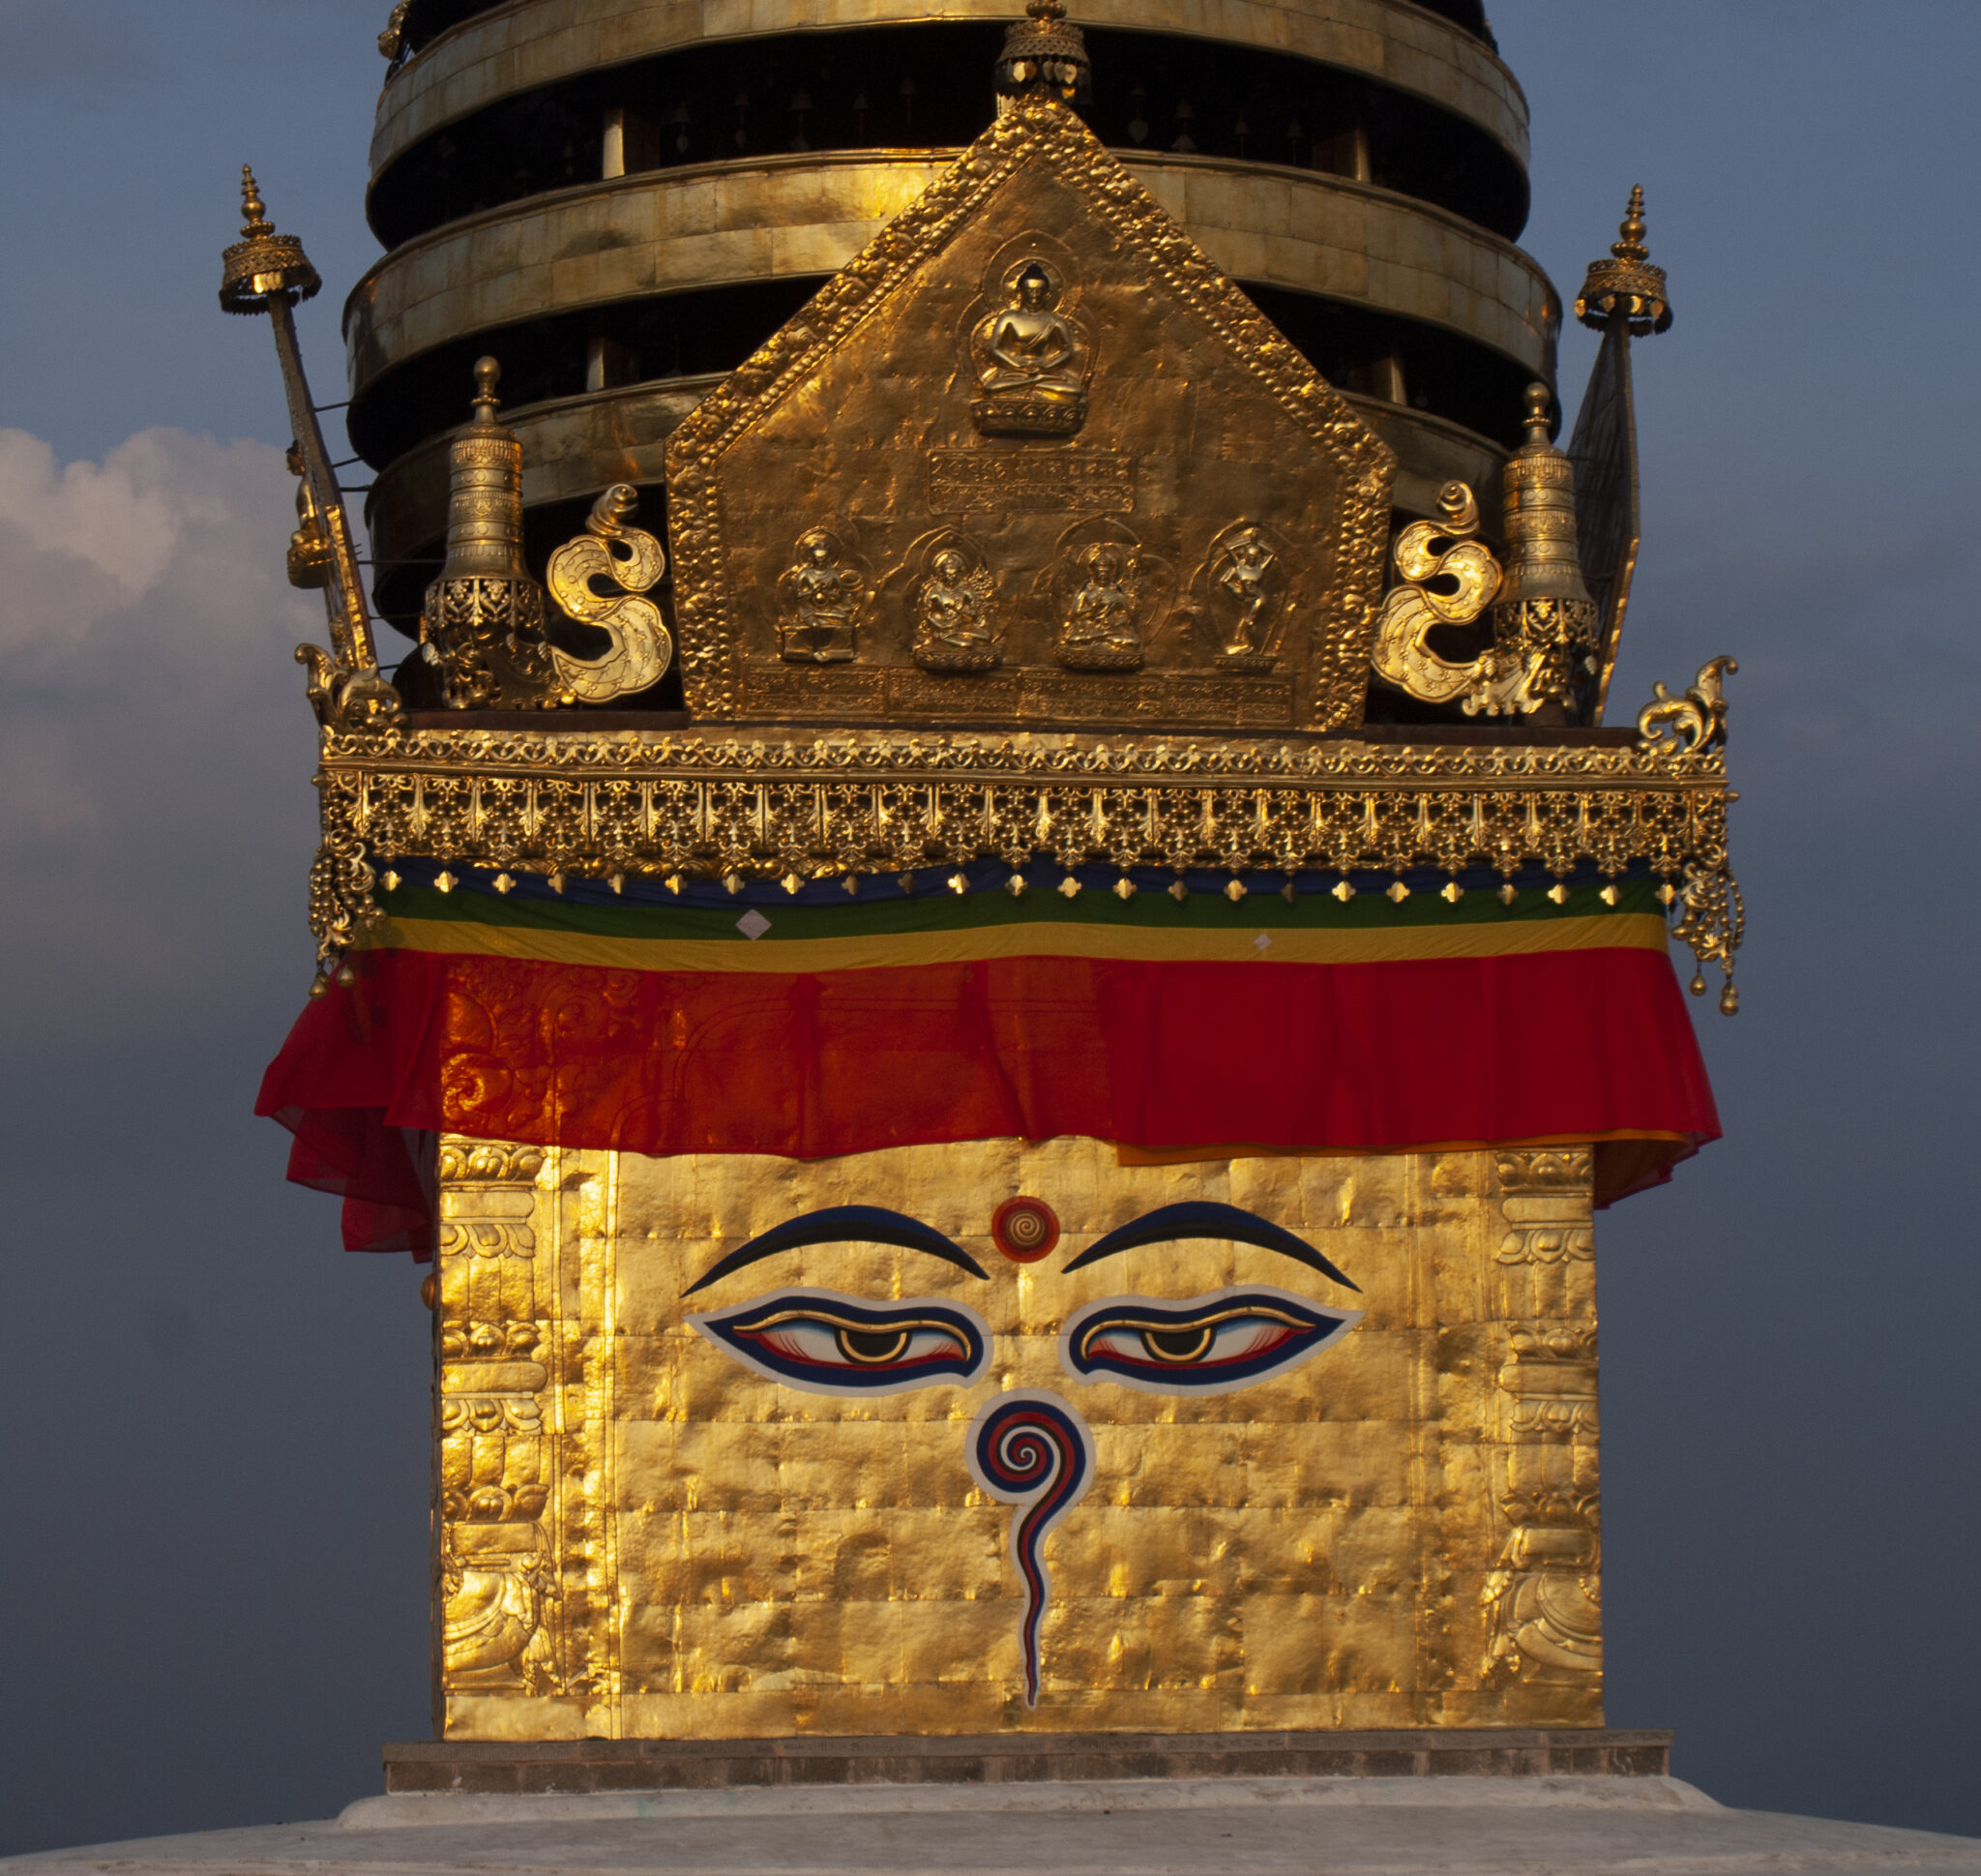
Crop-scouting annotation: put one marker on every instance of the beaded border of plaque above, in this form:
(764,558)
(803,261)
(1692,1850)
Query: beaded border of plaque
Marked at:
(1338,622)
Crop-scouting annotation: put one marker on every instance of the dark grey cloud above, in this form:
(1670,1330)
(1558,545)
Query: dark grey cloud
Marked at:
(1786,1435)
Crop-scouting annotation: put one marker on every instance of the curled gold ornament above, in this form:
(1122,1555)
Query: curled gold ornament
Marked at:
(346,700)
(1698,720)
(611,549)
(392,40)
(1449,579)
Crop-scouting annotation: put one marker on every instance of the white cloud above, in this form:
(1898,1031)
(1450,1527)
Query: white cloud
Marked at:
(155,817)
(87,544)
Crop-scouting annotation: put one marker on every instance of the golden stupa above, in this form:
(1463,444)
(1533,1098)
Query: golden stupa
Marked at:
(999,944)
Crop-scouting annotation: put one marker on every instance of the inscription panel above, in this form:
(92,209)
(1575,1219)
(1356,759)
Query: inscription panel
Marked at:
(784,693)
(806,694)
(1030,482)
(1242,703)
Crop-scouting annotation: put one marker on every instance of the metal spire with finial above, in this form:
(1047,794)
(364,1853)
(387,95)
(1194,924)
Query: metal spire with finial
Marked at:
(1623,297)
(1043,57)
(1627,282)
(263,266)
(1542,561)
(482,628)
(1543,613)
(266,272)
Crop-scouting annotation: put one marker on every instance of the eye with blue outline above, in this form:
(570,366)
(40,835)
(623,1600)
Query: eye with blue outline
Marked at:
(828,1343)
(1203,1345)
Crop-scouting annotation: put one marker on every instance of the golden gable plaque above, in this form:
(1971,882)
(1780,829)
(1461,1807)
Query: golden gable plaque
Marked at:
(1053,469)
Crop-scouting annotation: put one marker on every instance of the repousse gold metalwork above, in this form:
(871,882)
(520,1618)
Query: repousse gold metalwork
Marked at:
(1545,1599)
(515,1451)
(644,1539)
(1712,915)
(1043,57)
(1023,295)
(1698,720)
(1448,579)
(1030,462)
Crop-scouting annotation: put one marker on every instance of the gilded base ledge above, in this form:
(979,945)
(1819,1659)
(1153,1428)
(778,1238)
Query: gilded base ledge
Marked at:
(587,1765)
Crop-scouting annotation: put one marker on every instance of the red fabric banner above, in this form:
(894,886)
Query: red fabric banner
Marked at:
(1588,1045)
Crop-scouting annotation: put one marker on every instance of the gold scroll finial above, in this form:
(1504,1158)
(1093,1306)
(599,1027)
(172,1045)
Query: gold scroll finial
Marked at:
(1630,245)
(253,209)
(640,647)
(487,376)
(1043,57)
(1447,579)
(1627,282)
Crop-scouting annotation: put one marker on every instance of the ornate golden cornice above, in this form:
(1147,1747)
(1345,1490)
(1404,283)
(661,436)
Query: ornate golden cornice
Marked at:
(796,806)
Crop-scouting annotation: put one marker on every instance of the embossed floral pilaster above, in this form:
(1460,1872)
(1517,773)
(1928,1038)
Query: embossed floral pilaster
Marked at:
(1544,1600)
(495,1555)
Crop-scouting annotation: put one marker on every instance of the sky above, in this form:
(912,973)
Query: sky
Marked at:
(216,1421)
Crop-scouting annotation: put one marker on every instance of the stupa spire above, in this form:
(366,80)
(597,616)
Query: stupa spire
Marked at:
(1626,283)
(1043,57)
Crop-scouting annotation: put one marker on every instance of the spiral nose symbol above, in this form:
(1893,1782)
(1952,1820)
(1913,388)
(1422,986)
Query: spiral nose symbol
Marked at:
(1032,1450)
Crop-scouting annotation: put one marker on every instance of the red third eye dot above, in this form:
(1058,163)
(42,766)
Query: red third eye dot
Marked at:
(1025,1228)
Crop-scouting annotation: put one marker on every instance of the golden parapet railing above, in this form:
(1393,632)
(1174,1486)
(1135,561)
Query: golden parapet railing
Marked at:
(796,808)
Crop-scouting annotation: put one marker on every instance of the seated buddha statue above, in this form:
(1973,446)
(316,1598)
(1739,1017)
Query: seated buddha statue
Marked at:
(1097,630)
(952,614)
(820,599)
(1031,362)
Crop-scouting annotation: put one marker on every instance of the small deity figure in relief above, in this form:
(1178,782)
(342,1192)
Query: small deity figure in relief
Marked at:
(1031,362)
(1099,630)
(952,614)
(820,597)
(1246,585)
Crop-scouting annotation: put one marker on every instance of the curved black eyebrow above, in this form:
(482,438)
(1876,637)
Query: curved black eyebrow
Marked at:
(842,1224)
(1205,1218)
